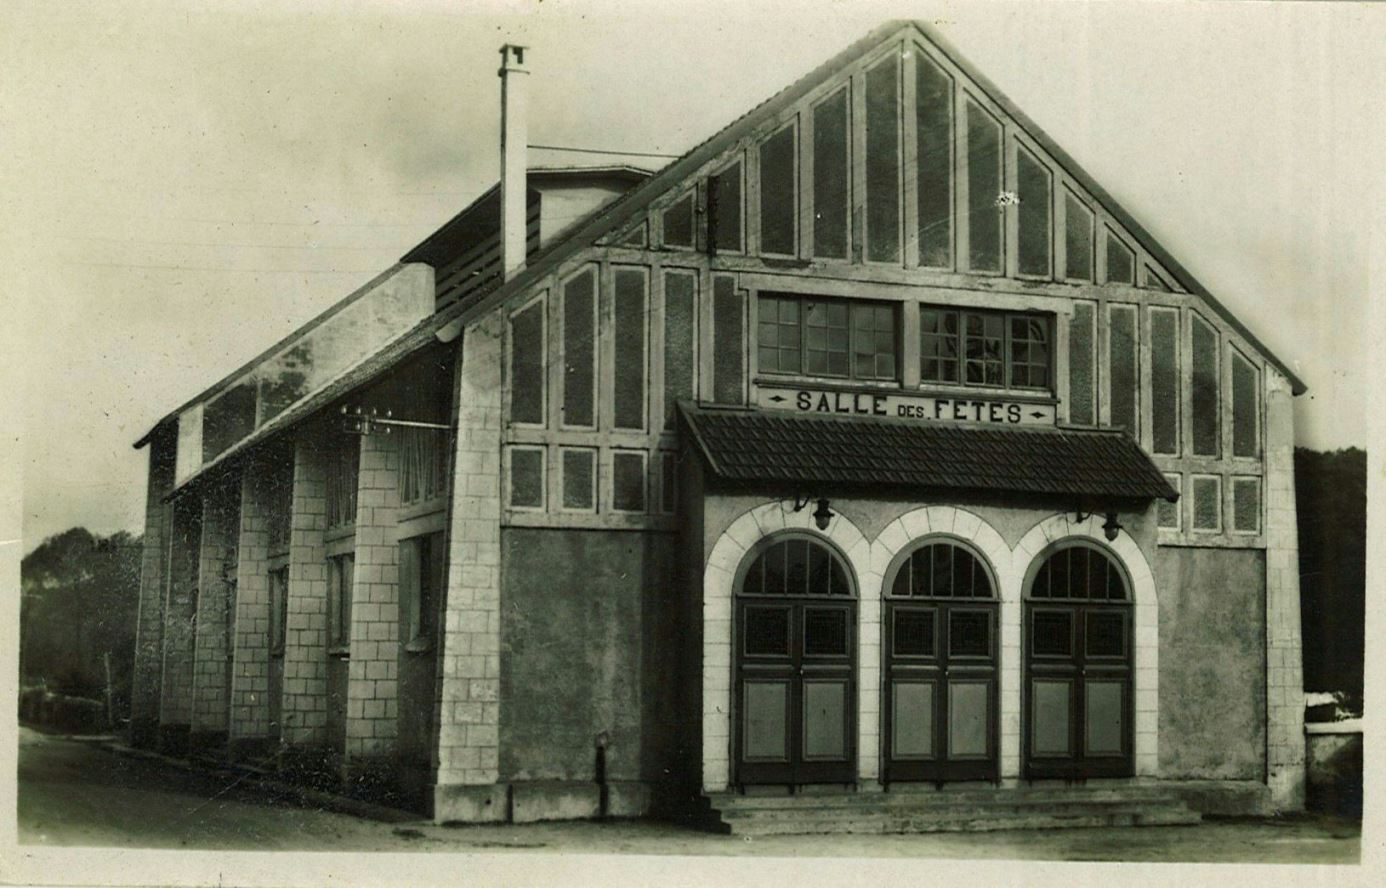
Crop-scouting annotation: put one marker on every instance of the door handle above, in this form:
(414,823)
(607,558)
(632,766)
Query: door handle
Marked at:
(801,670)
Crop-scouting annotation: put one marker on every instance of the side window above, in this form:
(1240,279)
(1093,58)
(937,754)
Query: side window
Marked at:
(421,561)
(339,585)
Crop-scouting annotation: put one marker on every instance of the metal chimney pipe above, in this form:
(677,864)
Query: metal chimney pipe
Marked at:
(514,139)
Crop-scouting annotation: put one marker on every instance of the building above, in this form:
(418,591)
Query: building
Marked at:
(870,444)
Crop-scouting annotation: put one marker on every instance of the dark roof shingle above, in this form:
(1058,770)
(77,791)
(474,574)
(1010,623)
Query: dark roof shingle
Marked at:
(745,445)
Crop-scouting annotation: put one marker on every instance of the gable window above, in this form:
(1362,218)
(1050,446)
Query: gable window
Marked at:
(984,211)
(779,209)
(678,223)
(1032,248)
(1077,239)
(1245,407)
(724,212)
(827,337)
(883,161)
(933,115)
(984,348)
(1121,262)
(831,176)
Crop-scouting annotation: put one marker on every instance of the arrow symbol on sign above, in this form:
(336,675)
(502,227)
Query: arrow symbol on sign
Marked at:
(778,398)
(1037,414)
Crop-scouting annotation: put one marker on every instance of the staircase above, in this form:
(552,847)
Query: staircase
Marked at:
(916,810)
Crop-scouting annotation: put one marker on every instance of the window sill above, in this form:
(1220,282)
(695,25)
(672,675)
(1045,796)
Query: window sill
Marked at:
(830,383)
(419,646)
(339,653)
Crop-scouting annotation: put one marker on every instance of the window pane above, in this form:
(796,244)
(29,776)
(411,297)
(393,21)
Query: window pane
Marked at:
(830,177)
(628,327)
(825,632)
(969,634)
(767,631)
(1125,371)
(883,161)
(579,306)
(983,187)
(922,569)
(728,370)
(228,419)
(669,482)
(778,194)
(826,338)
(983,342)
(1035,204)
(774,560)
(1081,407)
(1153,281)
(1121,264)
(938,346)
(1052,633)
(1206,419)
(678,223)
(1246,505)
(725,214)
(943,570)
(913,633)
(873,341)
(527,478)
(680,331)
(342,480)
(1244,408)
(933,103)
(1077,239)
(1207,503)
(527,365)
(628,482)
(1164,380)
(1029,337)
(579,471)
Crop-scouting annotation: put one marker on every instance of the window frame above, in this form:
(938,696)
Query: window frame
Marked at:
(796,198)
(540,301)
(340,589)
(1176,480)
(1235,354)
(1194,478)
(692,198)
(509,470)
(803,301)
(1006,316)
(736,162)
(1232,485)
(594,453)
(904,557)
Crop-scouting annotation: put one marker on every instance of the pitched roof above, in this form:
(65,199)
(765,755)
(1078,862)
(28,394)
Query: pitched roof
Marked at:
(763,446)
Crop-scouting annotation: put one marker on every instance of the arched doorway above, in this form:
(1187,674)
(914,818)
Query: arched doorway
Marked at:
(795,653)
(940,652)
(1078,665)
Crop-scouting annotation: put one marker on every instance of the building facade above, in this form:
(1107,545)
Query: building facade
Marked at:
(868,444)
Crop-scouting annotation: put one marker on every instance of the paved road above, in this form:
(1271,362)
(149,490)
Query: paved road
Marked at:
(79,793)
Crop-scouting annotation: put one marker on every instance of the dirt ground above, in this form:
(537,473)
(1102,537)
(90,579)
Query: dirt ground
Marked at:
(75,793)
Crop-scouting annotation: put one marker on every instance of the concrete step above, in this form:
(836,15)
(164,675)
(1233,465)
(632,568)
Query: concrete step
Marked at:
(950,810)
(903,823)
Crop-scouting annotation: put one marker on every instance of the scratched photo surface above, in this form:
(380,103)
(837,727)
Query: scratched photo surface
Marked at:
(774,436)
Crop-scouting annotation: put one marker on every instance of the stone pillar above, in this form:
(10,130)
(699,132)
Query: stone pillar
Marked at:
(1284,667)
(216,591)
(249,729)
(146,684)
(373,678)
(469,717)
(180,619)
(305,638)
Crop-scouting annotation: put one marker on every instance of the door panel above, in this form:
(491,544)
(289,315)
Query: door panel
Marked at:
(968,718)
(767,721)
(1051,717)
(912,719)
(1105,705)
(825,719)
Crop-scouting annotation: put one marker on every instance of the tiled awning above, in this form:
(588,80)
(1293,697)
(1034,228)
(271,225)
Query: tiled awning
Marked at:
(765,446)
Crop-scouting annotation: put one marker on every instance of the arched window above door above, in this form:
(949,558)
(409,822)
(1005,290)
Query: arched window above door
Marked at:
(796,565)
(1080,572)
(942,569)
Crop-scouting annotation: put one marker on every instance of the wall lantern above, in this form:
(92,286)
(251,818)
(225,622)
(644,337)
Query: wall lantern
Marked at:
(821,516)
(1112,527)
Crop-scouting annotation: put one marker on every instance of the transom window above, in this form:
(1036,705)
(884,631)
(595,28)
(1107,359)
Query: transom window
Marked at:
(796,566)
(942,570)
(1080,572)
(984,348)
(827,337)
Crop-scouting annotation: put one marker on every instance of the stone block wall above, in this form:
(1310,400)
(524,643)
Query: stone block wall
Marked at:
(149,625)
(305,638)
(1284,649)
(250,670)
(373,677)
(469,716)
(180,618)
(216,578)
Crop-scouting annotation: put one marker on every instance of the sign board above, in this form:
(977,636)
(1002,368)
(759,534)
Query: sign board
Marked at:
(896,405)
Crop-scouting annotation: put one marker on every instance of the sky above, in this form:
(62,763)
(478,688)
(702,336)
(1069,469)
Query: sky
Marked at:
(185,183)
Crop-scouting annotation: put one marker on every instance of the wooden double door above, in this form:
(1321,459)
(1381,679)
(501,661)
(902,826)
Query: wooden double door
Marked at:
(1078,707)
(796,691)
